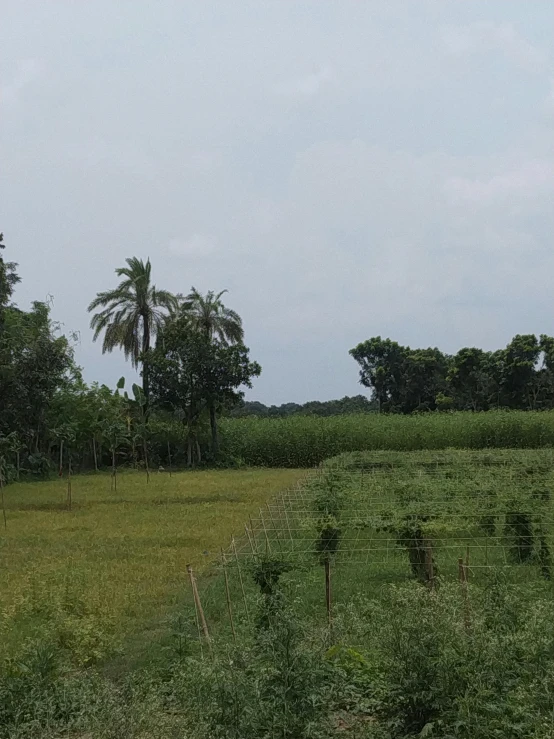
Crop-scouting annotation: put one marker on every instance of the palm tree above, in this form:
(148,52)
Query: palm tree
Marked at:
(132,314)
(208,316)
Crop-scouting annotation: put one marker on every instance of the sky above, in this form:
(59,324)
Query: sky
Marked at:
(344,169)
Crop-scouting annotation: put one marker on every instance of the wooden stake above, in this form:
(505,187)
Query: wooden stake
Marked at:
(275,529)
(249,539)
(286,516)
(268,545)
(3,502)
(429,565)
(60,470)
(114,471)
(198,603)
(255,543)
(169,456)
(328,589)
(240,576)
(145,448)
(228,595)
(462,572)
(69,481)
(95,456)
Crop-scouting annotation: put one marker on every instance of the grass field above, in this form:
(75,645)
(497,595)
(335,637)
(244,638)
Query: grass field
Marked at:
(98,612)
(113,567)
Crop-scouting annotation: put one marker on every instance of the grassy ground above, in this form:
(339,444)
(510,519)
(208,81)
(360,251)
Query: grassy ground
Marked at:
(114,566)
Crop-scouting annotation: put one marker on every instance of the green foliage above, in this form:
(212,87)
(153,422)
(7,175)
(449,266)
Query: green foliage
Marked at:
(277,686)
(132,313)
(344,406)
(301,441)
(192,374)
(404,380)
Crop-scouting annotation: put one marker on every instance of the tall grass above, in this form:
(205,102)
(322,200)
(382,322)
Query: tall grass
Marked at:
(305,441)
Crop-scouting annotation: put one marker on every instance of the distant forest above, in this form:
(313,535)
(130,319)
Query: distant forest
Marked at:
(355,404)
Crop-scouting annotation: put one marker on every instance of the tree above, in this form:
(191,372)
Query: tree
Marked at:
(132,314)
(382,369)
(473,379)
(35,364)
(210,318)
(8,280)
(521,358)
(190,374)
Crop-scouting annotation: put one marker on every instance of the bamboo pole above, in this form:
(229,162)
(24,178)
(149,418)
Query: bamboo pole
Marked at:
(275,529)
(69,480)
(249,539)
(328,589)
(430,570)
(198,604)
(462,571)
(268,545)
(286,516)
(228,595)
(3,501)
(233,544)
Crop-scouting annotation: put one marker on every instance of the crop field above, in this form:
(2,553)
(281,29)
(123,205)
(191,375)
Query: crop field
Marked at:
(113,568)
(306,441)
(389,518)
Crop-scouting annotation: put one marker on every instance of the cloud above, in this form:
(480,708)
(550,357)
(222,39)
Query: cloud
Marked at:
(308,85)
(27,71)
(486,36)
(196,245)
(523,182)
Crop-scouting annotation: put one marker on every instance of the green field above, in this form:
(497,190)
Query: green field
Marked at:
(305,441)
(114,567)
(104,639)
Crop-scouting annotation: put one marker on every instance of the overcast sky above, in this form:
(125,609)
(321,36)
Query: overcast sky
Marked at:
(344,169)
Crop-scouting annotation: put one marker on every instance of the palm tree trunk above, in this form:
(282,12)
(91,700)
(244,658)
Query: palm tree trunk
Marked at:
(145,370)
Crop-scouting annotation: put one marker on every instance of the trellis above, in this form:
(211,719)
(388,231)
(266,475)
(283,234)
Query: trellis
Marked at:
(287,528)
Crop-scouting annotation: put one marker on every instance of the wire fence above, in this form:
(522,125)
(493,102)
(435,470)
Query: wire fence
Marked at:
(382,538)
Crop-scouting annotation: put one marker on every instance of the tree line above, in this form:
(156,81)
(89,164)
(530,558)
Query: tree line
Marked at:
(346,405)
(189,350)
(405,380)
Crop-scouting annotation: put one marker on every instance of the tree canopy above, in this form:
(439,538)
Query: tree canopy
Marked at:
(404,380)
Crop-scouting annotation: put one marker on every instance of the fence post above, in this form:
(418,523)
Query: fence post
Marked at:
(328,589)
(265,531)
(429,568)
(228,594)
(69,481)
(462,573)
(240,577)
(249,538)
(286,516)
(198,604)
